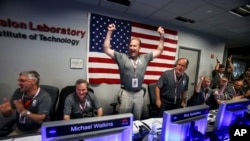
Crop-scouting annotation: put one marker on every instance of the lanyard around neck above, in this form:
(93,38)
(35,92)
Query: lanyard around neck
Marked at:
(205,94)
(134,63)
(28,102)
(177,81)
(83,106)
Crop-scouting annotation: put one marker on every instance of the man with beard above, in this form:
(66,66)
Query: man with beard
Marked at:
(132,70)
(31,103)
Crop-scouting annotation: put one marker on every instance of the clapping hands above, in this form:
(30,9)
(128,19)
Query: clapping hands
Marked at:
(5,107)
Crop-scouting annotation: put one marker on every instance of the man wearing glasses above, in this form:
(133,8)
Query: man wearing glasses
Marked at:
(32,104)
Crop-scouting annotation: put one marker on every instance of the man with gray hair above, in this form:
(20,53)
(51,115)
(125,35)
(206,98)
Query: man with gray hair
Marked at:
(32,104)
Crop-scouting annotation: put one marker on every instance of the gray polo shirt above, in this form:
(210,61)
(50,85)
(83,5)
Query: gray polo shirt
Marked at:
(40,104)
(127,70)
(72,107)
(170,88)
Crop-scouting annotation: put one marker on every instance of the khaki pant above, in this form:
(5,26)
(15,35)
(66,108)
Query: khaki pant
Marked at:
(132,102)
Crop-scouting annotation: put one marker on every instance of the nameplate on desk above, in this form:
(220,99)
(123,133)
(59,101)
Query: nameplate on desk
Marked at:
(68,128)
(235,106)
(191,114)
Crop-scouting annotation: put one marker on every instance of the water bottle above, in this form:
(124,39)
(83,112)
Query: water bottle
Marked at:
(152,135)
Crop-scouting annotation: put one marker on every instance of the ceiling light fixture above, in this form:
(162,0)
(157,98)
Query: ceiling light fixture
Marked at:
(183,19)
(122,2)
(241,11)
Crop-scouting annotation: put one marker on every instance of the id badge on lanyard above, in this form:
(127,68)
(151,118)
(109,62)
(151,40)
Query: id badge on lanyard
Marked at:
(135,82)
(22,119)
(134,79)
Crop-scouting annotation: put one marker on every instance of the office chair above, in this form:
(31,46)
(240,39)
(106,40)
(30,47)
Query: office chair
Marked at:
(53,92)
(116,104)
(152,108)
(8,127)
(63,94)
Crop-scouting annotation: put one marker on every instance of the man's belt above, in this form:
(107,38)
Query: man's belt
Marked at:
(130,90)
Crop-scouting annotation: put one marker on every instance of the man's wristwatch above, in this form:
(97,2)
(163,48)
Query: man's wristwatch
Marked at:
(26,113)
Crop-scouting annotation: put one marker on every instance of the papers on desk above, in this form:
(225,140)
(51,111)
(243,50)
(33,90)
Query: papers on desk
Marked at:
(136,126)
(212,116)
(149,123)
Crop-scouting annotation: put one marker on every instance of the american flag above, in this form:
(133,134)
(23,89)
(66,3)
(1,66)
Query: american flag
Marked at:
(103,69)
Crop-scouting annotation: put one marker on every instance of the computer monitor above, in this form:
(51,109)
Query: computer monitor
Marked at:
(185,124)
(112,127)
(232,112)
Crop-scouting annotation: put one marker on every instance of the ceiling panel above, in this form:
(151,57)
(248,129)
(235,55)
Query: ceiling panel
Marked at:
(182,6)
(153,3)
(242,30)
(222,18)
(113,6)
(228,4)
(163,15)
(212,16)
(203,12)
(136,8)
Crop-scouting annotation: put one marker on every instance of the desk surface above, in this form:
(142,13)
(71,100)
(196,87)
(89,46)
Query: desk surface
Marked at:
(136,127)
(23,138)
(37,137)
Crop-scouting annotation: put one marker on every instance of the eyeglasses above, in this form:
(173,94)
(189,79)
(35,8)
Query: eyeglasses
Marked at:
(23,80)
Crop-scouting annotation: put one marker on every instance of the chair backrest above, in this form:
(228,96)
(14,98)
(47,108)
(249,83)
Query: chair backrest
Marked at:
(144,91)
(153,109)
(54,93)
(151,92)
(63,94)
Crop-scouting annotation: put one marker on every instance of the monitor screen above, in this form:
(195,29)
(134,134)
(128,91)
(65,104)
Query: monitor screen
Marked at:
(113,127)
(185,124)
(232,112)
